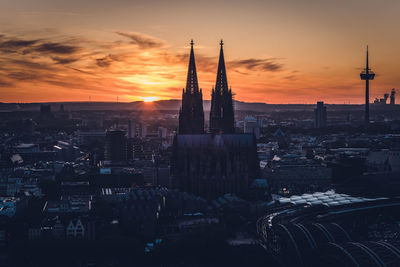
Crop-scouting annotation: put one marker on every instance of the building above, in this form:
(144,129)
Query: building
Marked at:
(90,137)
(251,126)
(332,229)
(143,130)
(45,109)
(115,148)
(131,129)
(191,114)
(392,97)
(26,148)
(222,117)
(162,132)
(320,115)
(211,165)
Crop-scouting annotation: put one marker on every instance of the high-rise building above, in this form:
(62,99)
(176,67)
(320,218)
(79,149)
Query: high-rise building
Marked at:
(191,114)
(320,115)
(131,129)
(221,114)
(142,130)
(392,97)
(115,148)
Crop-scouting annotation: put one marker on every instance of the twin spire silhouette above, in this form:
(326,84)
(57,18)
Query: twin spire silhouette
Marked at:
(191,114)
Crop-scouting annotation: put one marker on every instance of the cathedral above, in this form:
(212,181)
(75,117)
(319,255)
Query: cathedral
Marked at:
(191,114)
(218,161)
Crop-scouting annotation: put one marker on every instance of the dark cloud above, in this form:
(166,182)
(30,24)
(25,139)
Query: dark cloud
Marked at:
(142,40)
(107,60)
(4,83)
(25,76)
(64,60)
(103,62)
(203,63)
(82,71)
(27,64)
(14,45)
(290,77)
(240,72)
(57,48)
(268,64)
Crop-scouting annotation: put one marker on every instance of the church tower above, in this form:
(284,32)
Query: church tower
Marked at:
(191,114)
(222,113)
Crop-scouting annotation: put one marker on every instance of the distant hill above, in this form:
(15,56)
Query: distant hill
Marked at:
(173,104)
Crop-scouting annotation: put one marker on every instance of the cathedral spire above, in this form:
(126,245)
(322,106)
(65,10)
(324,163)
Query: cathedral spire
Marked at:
(191,115)
(191,82)
(222,81)
(221,113)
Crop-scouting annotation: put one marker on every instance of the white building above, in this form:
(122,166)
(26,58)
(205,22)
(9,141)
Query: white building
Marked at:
(162,132)
(251,126)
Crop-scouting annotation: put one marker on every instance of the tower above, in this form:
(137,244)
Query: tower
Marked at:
(191,114)
(367,74)
(393,97)
(222,113)
(320,115)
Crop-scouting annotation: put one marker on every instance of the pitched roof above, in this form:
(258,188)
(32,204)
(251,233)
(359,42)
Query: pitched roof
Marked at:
(219,140)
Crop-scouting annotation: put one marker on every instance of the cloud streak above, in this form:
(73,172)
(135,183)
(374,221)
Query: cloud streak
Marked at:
(252,64)
(141,40)
(57,48)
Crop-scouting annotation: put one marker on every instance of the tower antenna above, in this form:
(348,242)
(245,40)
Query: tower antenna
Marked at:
(367,74)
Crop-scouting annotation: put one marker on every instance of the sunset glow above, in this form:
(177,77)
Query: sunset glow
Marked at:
(149,98)
(275,52)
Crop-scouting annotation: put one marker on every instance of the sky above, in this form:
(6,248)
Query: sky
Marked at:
(276,51)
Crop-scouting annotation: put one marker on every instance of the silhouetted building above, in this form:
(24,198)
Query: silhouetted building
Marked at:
(130,145)
(115,148)
(381,101)
(392,97)
(222,117)
(211,165)
(162,132)
(191,114)
(320,115)
(367,74)
(45,109)
(131,129)
(142,131)
(29,126)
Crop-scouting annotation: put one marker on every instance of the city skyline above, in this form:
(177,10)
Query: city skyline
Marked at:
(279,52)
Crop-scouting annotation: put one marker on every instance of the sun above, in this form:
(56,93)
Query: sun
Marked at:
(149,98)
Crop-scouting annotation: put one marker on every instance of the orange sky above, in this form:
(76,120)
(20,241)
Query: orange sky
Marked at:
(286,51)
